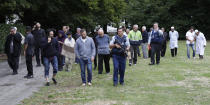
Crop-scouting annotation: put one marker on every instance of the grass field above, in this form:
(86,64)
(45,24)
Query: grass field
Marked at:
(176,81)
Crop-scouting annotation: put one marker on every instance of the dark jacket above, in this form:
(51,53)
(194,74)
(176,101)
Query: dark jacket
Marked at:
(16,44)
(38,35)
(49,49)
(62,39)
(144,37)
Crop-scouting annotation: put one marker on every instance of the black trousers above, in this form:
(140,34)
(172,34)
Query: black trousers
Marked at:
(29,64)
(13,63)
(155,50)
(174,52)
(103,58)
(95,62)
(134,52)
(61,62)
(38,54)
(163,50)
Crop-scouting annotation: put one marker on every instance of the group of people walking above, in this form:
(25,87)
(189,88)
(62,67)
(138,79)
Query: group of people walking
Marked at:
(62,49)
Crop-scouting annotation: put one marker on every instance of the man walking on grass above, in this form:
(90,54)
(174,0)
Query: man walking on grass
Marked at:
(85,52)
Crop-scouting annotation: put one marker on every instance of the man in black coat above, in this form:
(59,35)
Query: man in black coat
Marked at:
(38,33)
(13,49)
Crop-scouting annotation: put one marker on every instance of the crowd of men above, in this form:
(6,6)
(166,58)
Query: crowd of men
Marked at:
(62,49)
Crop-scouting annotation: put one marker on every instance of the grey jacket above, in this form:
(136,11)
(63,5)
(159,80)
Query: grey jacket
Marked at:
(85,50)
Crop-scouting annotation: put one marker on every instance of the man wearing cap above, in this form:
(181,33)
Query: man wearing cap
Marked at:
(190,36)
(200,43)
(174,36)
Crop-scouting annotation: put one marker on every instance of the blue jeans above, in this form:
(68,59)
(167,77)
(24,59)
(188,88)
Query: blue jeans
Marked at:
(119,68)
(54,62)
(83,64)
(188,50)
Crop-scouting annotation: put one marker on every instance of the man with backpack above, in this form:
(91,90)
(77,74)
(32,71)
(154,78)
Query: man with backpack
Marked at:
(155,42)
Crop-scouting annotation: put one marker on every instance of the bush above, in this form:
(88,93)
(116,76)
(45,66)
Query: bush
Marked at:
(4,31)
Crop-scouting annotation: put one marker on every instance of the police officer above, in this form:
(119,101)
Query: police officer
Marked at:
(119,45)
(155,42)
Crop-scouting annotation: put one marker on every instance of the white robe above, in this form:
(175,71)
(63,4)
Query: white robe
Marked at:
(200,43)
(174,36)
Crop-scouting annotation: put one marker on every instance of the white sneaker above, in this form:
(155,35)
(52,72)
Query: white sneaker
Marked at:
(90,84)
(83,84)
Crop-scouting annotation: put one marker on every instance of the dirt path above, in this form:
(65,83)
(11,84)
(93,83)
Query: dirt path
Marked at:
(13,89)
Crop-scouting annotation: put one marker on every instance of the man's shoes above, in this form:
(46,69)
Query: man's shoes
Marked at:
(83,84)
(115,84)
(38,65)
(89,84)
(54,81)
(47,84)
(151,64)
(26,76)
(158,63)
(130,64)
(122,84)
(14,73)
(30,76)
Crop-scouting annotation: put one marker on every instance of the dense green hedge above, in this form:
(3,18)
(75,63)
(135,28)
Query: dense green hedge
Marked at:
(4,31)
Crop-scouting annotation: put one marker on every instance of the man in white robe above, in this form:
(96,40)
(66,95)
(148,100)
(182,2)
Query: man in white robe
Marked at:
(174,36)
(200,43)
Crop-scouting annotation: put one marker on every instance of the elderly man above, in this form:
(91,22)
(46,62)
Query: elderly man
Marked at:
(135,38)
(144,42)
(119,44)
(85,52)
(13,49)
(190,42)
(174,36)
(155,42)
(102,41)
(200,43)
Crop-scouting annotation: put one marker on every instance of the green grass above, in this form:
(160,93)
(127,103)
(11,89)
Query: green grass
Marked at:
(176,81)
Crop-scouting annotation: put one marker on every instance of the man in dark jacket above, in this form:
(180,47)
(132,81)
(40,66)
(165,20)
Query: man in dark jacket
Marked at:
(38,33)
(164,44)
(50,52)
(13,49)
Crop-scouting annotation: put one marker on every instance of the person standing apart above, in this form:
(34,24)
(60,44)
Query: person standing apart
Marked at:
(50,53)
(29,52)
(119,45)
(135,39)
(12,49)
(38,33)
(174,36)
(155,42)
(85,52)
(164,43)
(102,41)
(200,43)
(190,42)
(144,42)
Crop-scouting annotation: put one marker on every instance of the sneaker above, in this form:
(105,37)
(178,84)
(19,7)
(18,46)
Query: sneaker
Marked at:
(30,76)
(83,84)
(151,64)
(38,65)
(26,76)
(130,64)
(54,81)
(47,84)
(14,73)
(89,84)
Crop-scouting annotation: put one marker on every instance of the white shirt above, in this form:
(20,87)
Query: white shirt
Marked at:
(84,40)
(190,36)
